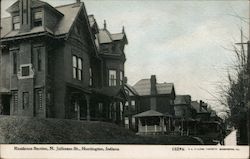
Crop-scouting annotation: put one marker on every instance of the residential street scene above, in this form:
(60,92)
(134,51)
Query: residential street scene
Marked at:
(125,72)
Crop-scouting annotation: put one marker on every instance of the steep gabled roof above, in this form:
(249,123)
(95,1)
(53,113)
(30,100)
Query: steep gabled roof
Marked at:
(104,36)
(69,11)
(143,87)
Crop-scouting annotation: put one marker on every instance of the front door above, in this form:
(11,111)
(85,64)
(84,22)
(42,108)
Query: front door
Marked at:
(5,105)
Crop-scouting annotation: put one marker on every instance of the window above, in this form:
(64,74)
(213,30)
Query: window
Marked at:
(25,71)
(77,67)
(112,77)
(133,121)
(14,62)
(126,105)
(100,107)
(16,22)
(39,60)
(133,105)
(74,67)
(38,19)
(15,101)
(121,77)
(90,77)
(25,100)
(126,121)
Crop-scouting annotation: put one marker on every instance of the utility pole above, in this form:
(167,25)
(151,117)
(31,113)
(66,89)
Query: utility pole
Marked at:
(244,137)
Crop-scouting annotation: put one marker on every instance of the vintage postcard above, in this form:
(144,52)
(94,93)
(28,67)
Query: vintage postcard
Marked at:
(124,79)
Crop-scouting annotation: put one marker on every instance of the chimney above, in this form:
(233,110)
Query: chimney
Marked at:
(153,93)
(201,105)
(123,29)
(78,1)
(153,85)
(25,15)
(105,25)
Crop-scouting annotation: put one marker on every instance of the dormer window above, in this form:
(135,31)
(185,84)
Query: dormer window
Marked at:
(16,22)
(38,16)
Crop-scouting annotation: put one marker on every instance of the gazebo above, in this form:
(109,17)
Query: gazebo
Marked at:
(153,122)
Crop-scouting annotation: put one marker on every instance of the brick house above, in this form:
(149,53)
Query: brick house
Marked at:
(57,63)
(184,115)
(154,105)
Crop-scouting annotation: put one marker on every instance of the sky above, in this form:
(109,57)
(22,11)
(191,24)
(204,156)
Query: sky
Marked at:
(182,42)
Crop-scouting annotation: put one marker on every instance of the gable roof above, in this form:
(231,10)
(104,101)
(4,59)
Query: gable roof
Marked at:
(164,88)
(143,87)
(195,105)
(69,11)
(131,90)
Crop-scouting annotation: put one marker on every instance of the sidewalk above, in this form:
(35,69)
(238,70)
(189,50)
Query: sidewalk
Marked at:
(231,140)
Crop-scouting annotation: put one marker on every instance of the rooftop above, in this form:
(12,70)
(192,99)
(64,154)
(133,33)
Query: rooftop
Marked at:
(143,87)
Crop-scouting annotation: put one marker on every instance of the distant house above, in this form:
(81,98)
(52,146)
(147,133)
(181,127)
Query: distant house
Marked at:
(156,98)
(56,62)
(201,111)
(184,115)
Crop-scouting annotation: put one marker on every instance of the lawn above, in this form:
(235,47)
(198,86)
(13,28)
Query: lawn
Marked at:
(26,130)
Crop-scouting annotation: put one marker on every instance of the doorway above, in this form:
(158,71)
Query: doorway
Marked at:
(5,110)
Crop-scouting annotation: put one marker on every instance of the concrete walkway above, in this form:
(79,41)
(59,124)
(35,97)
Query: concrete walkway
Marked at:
(230,140)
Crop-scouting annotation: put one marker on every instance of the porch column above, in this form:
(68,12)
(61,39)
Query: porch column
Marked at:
(139,124)
(162,124)
(88,107)
(77,108)
(182,127)
(169,124)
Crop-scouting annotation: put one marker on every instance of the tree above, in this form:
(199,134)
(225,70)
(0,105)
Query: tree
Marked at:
(236,92)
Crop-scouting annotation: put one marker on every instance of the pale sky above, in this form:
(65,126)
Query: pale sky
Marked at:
(182,42)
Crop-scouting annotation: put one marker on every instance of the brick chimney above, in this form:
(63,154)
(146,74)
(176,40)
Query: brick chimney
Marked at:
(25,15)
(153,92)
(153,85)
(201,102)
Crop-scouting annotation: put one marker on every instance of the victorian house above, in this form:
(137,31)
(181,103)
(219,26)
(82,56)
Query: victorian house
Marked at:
(153,105)
(56,62)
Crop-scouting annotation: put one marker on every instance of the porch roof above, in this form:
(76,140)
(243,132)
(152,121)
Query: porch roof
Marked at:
(115,92)
(149,113)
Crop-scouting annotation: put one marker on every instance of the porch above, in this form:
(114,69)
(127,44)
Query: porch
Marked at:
(153,122)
